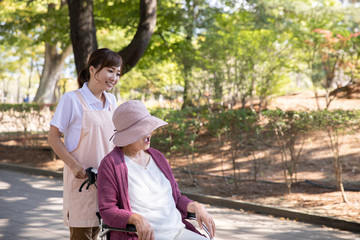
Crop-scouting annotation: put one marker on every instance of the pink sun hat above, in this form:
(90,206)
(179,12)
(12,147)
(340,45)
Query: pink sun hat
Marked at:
(132,122)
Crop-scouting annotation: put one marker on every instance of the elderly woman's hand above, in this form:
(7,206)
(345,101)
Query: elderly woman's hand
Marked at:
(143,227)
(202,216)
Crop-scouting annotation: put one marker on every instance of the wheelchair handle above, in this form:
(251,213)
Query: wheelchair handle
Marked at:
(92,176)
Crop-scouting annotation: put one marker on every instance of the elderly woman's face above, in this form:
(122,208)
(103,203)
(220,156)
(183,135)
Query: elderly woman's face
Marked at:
(142,144)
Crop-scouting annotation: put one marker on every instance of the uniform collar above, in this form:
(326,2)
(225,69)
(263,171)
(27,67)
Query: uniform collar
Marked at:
(91,99)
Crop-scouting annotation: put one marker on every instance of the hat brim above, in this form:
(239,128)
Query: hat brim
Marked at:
(138,131)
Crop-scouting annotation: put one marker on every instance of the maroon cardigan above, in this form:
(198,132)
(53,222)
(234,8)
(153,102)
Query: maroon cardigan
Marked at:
(113,195)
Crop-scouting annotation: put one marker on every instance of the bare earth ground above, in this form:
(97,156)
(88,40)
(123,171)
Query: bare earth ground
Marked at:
(209,171)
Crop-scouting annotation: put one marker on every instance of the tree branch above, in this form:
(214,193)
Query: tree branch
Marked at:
(134,51)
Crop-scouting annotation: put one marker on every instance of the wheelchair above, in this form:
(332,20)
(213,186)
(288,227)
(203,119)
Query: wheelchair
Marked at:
(104,228)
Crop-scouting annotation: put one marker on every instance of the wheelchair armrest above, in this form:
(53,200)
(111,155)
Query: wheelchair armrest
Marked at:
(128,228)
(191,216)
(105,229)
(131,228)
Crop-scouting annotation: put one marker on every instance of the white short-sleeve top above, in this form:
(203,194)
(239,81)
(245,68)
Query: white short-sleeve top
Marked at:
(69,112)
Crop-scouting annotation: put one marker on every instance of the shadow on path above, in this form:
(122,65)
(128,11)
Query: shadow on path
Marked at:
(30,207)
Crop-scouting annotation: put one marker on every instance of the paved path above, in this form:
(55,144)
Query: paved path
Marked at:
(30,208)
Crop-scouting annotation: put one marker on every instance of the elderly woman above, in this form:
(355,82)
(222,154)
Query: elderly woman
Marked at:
(136,185)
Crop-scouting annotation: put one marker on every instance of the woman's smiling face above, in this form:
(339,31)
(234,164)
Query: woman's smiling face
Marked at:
(107,77)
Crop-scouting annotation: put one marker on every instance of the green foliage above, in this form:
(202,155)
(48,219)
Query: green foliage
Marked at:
(302,122)
(339,119)
(244,59)
(183,128)
(158,78)
(290,122)
(228,51)
(116,14)
(235,124)
(25,107)
(243,125)
(35,22)
(289,130)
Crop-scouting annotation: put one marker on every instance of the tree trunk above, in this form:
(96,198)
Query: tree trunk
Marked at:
(53,66)
(29,81)
(82,30)
(233,160)
(134,51)
(338,177)
(186,100)
(335,147)
(185,58)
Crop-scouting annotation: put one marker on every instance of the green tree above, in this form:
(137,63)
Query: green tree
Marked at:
(37,23)
(83,31)
(242,58)
(290,129)
(48,23)
(336,124)
(309,44)
(235,127)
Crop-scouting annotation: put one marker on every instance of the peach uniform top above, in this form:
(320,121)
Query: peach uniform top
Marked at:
(96,128)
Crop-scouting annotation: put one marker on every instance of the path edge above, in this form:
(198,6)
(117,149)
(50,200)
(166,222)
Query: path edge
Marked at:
(277,212)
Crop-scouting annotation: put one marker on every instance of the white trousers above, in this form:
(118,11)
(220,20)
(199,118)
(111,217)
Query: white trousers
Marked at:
(186,234)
